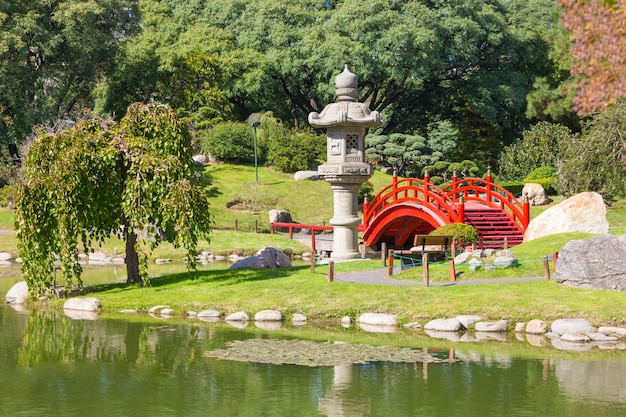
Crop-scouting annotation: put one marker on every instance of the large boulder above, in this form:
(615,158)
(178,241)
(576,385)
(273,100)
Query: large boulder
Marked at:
(598,262)
(18,293)
(280,216)
(266,258)
(82,304)
(306,175)
(584,212)
(535,193)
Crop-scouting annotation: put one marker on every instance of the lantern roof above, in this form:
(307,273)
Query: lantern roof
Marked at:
(346,111)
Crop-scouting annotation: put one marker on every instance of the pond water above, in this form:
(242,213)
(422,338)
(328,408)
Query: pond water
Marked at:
(51,365)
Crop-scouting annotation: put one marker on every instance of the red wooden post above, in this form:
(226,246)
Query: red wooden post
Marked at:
(526,218)
(452,270)
(555,256)
(290,231)
(390,263)
(462,209)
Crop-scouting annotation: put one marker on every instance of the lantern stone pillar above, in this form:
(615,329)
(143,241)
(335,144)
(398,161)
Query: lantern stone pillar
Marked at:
(346,122)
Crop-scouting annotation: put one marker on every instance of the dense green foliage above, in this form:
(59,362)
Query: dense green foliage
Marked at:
(86,183)
(541,145)
(459,80)
(288,150)
(230,142)
(595,160)
(52,54)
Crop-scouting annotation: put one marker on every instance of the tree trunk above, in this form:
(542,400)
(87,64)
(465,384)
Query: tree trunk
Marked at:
(132,260)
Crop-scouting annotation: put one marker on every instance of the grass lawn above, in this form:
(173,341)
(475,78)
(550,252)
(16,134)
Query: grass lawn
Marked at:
(297,290)
(237,199)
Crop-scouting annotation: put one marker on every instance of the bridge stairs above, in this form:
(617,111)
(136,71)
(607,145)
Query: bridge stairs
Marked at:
(495,229)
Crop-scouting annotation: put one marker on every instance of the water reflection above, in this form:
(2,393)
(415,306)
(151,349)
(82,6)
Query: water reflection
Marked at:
(53,365)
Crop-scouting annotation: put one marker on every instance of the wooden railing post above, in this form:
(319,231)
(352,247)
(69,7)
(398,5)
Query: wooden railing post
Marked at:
(425,269)
(331,271)
(546,268)
(390,263)
(383,253)
(452,270)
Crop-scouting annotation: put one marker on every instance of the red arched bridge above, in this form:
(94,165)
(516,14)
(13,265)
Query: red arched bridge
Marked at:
(413,206)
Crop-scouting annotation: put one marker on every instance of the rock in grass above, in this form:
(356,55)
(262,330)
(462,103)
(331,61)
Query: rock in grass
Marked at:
(238,316)
(536,327)
(209,314)
(444,325)
(18,293)
(268,315)
(491,326)
(82,304)
(572,326)
(378,319)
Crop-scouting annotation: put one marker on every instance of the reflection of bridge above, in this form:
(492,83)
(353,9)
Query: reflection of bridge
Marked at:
(413,206)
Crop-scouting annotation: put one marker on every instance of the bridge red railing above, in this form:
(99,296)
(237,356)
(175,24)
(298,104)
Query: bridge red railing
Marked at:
(412,190)
(450,200)
(490,194)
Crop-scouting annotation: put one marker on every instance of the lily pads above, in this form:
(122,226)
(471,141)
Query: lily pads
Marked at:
(311,353)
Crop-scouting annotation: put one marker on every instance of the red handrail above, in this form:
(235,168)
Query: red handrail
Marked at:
(447,200)
(412,190)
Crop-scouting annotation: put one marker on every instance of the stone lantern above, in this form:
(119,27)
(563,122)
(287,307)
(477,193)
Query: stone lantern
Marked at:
(346,122)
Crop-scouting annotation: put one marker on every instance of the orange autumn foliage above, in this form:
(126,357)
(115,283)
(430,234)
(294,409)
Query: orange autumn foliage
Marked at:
(598,36)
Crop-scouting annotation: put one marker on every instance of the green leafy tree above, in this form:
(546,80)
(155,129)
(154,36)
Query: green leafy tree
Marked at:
(545,59)
(595,160)
(101,178)
(541,145)
(406,153)
(52,54)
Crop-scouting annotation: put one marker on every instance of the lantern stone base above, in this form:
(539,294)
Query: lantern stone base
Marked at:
(345,219)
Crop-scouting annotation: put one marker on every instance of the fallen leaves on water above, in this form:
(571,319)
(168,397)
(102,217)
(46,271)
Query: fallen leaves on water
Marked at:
(311,353)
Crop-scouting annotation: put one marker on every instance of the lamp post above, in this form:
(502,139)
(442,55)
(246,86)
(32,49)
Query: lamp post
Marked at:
(255,120)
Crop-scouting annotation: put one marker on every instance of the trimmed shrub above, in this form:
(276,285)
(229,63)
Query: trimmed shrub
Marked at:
(463,234)
(230,142)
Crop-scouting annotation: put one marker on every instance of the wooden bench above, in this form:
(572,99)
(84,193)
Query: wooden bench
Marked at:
(425,248)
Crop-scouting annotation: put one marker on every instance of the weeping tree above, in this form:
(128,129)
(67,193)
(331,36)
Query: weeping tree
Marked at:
(134,179)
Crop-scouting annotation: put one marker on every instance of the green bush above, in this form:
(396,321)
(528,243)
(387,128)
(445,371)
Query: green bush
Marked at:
(366,190)
(287,150)
(230,142)
(546,183)
(545,171)
(542,145)
(514,187)
(463,234)
(7,196)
